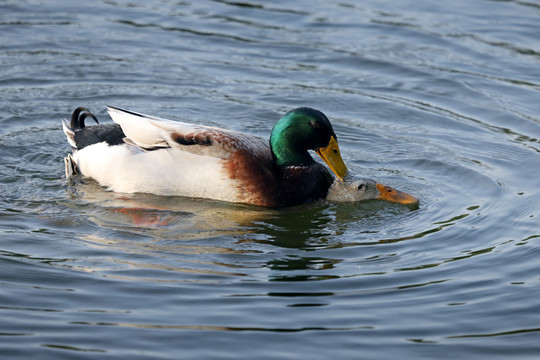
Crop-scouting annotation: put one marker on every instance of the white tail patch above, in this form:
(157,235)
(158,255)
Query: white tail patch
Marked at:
(70,135)
(70,166)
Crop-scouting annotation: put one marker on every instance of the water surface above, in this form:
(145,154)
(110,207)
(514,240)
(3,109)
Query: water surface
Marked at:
(436,99)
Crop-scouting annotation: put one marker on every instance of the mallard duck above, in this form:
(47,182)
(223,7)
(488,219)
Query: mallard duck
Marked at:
(355,189)
(141,153)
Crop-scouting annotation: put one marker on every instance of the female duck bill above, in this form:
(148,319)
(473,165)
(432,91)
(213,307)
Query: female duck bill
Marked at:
(392,195)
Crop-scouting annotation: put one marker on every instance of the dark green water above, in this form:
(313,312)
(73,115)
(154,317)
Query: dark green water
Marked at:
(437,99)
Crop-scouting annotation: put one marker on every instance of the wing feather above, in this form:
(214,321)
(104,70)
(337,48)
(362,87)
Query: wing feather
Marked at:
(150,133)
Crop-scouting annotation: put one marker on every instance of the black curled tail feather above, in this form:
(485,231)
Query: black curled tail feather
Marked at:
(80,136)
(78,116)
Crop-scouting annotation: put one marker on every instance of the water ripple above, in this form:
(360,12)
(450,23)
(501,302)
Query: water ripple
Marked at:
(437,99)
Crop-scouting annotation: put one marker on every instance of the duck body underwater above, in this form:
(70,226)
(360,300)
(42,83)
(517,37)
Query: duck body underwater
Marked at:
(146,154)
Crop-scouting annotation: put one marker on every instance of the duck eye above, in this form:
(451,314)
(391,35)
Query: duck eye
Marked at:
(361,187)
(314,124)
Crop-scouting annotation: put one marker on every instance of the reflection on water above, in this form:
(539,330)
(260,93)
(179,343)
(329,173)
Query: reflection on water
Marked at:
(182,218)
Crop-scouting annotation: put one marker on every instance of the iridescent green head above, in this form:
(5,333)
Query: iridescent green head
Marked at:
(306,129)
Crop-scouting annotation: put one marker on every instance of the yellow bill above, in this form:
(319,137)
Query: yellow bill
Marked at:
(332,157)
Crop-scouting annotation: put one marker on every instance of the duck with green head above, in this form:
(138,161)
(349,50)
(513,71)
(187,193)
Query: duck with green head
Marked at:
(142,153)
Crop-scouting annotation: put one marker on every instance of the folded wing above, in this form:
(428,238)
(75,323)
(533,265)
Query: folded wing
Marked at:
(151,133)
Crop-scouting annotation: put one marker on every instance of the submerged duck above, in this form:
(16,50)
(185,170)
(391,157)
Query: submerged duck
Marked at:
(355,189)
(141,153)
